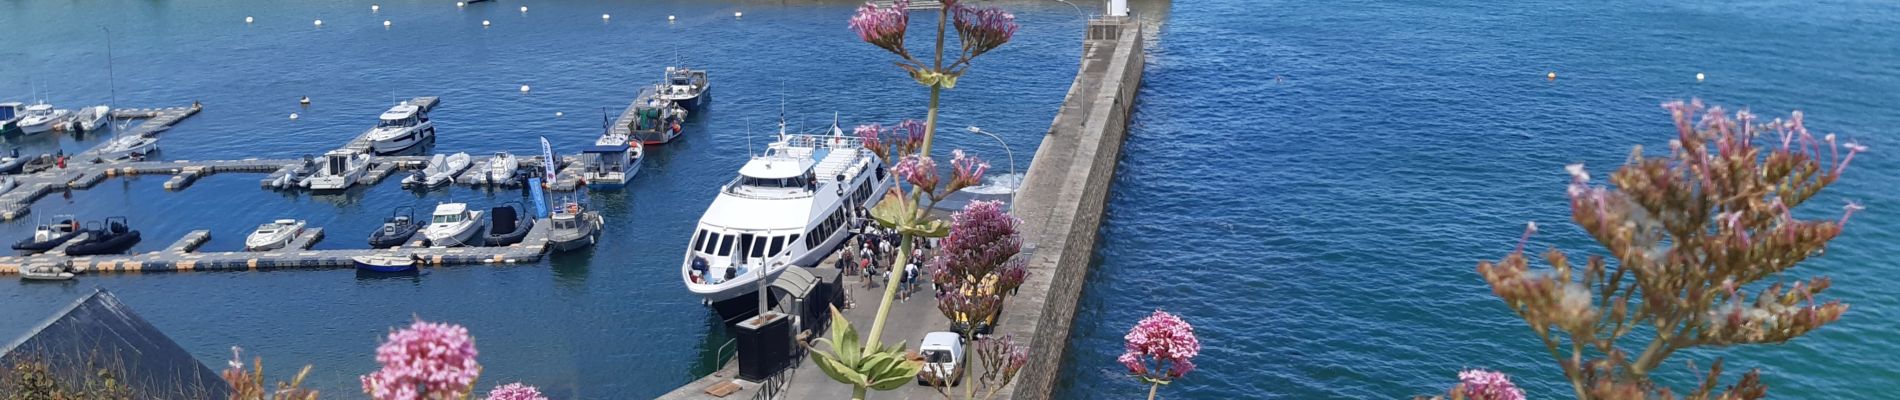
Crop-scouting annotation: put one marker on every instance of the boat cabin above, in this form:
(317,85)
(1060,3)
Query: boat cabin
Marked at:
(11,111)
(451,213)
(39,109)
(774,177)
(607,158)
(338,162)
(402,116)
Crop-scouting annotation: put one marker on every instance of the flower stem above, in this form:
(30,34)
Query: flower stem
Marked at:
(1152,387)
(857,392)
(890,293)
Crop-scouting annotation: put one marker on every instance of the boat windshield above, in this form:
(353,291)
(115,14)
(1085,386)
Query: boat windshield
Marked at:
(792,182)
(266,229)
(397,123)
(447,219)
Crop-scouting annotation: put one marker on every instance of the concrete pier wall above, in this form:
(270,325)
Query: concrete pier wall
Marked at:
(1064,194)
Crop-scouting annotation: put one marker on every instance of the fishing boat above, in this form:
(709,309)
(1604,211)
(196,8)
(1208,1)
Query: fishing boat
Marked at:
(397,229)
(508,224)
(91,119)
(452,225)
(402,127)
(113,238)
(128,147)
(686,87)
(274,235)
(341,168)
(612,162)
(650,119)
(440,171)
(41,117)
(10,114)
(385,263)
(45,273)
(501,169)
(48,236)
(572,226)
(787,207)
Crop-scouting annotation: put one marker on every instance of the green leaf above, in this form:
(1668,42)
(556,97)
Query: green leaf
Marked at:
(901,373)
(845,339)
(836,370)
(935,228)
(891,212)
(949,81)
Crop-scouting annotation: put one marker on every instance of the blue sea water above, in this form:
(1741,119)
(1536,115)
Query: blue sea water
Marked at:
(1311,184)
(610,323)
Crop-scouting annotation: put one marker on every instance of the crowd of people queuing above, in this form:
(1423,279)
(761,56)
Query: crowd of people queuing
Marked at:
(870,254)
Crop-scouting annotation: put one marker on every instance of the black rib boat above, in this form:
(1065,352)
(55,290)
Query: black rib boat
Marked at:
(48,236)
(507,225)
(396,229)
(113,238)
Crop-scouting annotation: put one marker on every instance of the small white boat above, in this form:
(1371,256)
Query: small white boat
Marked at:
(441,170)
(274,235)
(41,117)
(385,263)
(341,168)
(612,162)
(133,147)
(45,273)
(400,128)
(452,225)
(501,168)
(92,119)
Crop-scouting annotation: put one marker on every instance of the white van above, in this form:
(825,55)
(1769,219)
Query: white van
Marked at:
(943,353)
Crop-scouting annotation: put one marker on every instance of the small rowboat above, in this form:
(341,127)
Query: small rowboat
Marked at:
(385,263)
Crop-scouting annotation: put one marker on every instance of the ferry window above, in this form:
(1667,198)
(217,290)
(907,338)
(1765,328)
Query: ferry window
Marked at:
(778,243)
(758,246)
(725,245)
(793,240)
(699,241)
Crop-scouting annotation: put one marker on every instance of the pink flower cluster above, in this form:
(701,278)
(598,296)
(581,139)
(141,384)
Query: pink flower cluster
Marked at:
(1488,385)
(968,170)
(982,29)
(883,27)
(1160,348)
(515,391)
(425,359)
(920,171)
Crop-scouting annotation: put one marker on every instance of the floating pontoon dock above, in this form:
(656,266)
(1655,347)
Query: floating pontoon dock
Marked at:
(182,255)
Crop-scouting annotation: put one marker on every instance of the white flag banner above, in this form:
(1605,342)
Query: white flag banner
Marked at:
(547,160)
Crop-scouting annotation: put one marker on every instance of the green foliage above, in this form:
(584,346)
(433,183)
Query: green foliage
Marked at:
(849,361)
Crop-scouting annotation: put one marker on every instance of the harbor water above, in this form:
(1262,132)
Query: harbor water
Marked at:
(611,323)
(1312,184)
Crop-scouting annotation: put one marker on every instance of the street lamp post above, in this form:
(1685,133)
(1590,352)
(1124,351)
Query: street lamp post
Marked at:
(1006,152)
(1078,9)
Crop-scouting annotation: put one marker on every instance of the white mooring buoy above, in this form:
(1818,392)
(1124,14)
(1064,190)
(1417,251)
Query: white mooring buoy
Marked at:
(317,23)
(484,23)
(606,16)
(304,101)
(1698,77)
(375,8)
(524,88)
(558,113)
(293,116)
(248,19)
(461,4)
(385,23)
(670,18)
(736,14)
(524,8)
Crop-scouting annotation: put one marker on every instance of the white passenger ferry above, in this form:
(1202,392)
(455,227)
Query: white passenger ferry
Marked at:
(788,207)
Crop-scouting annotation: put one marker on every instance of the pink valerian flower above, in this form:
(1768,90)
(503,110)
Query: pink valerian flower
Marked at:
(968,171)
(919,171)
(976,265)
(1160,348)
(1480,384)
(515,391)
(982,29)
(883,26)
(425,359)
(908,136)
(873,140)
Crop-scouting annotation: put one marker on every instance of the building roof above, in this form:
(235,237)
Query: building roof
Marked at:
(99,330)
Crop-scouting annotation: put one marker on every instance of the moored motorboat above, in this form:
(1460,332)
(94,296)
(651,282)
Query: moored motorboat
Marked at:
(572,226)
(501,169)
(385,263)
(92,119)
(274,235)
(441,170)
(10,114)
(113,238)
(396,230)
(341,168)
(686,87)
(787,207)
(12,162)
(452,224)
(48,236)
(41,117)
(507,225)
(650,119)
(128,147)
(402,127)
(612,162)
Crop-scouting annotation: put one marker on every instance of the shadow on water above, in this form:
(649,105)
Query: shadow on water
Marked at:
(570,268)
(714,348)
